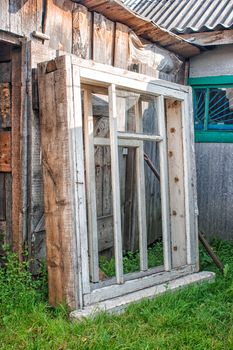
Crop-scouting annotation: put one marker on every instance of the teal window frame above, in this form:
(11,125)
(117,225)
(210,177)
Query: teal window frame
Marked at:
(208,135)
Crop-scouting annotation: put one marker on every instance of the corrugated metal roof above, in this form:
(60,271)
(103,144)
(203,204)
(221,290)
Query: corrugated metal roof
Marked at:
(186,16)
(116,10)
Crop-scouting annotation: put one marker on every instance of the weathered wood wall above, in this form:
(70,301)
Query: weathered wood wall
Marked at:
(215,189)
(73,29)
(214,160)
(13,126)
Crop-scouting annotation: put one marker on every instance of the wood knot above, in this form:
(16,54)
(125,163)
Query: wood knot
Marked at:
(174,212)
(170,153)
(172,130)
(176,179)
(175,248)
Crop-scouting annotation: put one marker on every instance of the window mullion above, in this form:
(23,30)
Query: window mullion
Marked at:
(115,184)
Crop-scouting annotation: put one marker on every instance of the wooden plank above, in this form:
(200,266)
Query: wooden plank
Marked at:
(138,136)
(4,15)
(58,25)
(96,68)
(82,32)
(176,182)
(141,197)
(15,16)
(5,151)
(2,198)
(31,16)
(115,184)
(16,154)
(5,105)
(8,186)
(56,116)
(5,72)
(91,192)
(76,129)
(121,47)
(103,39)
(137,284)
(191,209)
(213,38)
(164,185)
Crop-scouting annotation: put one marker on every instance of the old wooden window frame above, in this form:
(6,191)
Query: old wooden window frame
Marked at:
(111,80)
(72,72)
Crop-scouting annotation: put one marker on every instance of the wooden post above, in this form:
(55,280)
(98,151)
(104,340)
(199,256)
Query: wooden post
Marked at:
(55,96)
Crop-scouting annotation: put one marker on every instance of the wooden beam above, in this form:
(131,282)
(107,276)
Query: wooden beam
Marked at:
(10,38)
(219,37)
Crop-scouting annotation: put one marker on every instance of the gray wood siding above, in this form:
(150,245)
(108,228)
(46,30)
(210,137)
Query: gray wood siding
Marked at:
(215,189)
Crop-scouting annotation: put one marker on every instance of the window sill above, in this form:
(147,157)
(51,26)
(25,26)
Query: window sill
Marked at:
(214,136)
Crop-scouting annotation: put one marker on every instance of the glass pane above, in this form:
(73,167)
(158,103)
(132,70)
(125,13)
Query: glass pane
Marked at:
(199,108)
(136,113)
(221,108)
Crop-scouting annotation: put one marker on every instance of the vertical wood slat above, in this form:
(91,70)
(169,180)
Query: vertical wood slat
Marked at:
(8,186)
(82,32)
(76,126)
(59,132)
(164,184)
(103,39)
(190,181)
(2,197)
(115,184)
(141,196)
(16,154)
(121,51)
(176,182)
(91,190)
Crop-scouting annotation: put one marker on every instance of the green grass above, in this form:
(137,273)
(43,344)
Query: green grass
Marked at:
(131,261)
(196,318)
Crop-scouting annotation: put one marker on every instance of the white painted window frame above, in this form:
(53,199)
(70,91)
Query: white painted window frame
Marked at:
(85,72)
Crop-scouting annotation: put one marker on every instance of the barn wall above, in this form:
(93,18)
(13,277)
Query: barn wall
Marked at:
(214,160)
(71,28)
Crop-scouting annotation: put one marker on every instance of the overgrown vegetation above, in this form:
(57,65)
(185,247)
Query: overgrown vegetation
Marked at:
(196,318)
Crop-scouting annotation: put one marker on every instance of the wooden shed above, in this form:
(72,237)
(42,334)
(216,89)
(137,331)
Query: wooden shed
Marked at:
(77,153)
